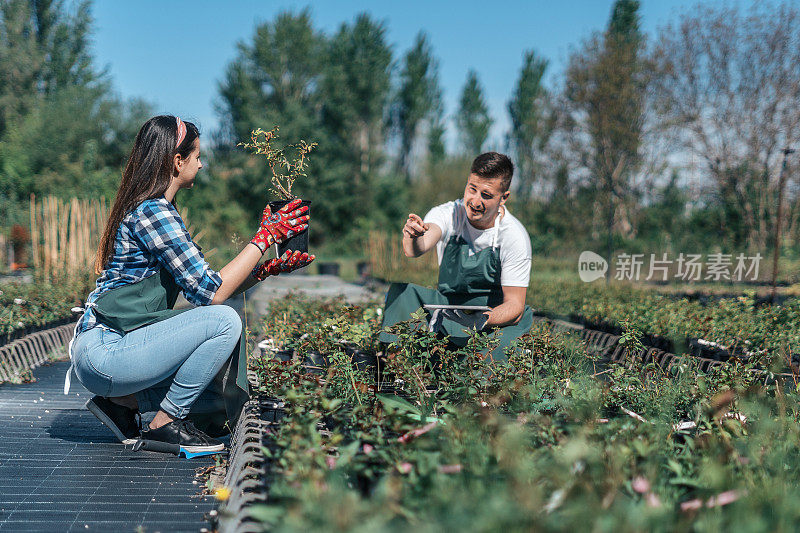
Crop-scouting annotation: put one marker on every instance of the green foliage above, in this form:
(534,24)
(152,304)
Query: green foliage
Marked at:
(356,88)
(770,330)
(536,444)
(272,79)
(473,119)
(532,121)
(24,305)
(446,179)
(43,49)
(62,131)
(417,101)
(332,89)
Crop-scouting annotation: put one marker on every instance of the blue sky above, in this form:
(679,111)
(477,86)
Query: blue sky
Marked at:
(173,53)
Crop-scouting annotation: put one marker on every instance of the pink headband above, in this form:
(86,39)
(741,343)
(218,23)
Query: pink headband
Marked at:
(181,131)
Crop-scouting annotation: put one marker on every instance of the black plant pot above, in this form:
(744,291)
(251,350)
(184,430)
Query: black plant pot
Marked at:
(363,269)
(329,269)
(298,242)
(365,360)
(315,362)
(283,355)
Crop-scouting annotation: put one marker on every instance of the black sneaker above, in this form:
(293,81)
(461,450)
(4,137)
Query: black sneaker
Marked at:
(183,435)
(122,421)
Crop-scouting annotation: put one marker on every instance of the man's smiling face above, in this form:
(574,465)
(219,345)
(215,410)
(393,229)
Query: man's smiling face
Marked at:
(482,200)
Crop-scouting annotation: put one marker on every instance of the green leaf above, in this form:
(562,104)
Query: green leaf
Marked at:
(686,481)
(395,403)
(266,513)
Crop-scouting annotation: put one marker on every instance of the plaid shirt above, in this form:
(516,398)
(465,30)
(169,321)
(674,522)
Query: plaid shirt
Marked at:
(149,238)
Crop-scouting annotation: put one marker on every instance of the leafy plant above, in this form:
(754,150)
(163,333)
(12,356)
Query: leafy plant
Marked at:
(544,441)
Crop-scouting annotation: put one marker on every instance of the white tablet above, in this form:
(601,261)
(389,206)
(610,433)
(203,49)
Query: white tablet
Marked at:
(433,307)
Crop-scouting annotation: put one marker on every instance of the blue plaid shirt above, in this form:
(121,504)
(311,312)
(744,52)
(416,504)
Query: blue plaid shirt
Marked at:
(149,238)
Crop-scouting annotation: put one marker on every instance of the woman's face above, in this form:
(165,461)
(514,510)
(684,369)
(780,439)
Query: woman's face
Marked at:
(187,167)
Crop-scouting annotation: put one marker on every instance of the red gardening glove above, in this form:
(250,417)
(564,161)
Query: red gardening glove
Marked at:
(288,262)
(280,225)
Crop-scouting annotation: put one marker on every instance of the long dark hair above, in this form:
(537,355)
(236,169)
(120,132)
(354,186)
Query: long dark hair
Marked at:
(147,174)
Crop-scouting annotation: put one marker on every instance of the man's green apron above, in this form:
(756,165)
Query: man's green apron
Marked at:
(464,279)
(151,300)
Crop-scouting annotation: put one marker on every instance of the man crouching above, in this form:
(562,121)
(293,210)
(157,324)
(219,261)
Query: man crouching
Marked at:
(484,260)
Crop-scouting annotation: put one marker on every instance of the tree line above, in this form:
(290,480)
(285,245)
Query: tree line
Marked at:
(62,129)
(670,141)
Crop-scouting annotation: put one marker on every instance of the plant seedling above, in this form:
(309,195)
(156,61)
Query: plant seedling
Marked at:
(284,171)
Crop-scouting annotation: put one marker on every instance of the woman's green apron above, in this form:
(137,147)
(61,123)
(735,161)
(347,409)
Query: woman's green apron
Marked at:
(466,277)
(151,300)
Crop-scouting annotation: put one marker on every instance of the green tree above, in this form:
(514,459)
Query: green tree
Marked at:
(272,81)
(82,139)
(664,224)
(274,78)
(333,91)
(532,120)
(356,93)
(605,86)
(473,118)
(43,48)
(436,147)
(417,99)
(61,129)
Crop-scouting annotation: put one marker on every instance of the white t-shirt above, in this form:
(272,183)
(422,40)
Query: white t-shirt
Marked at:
(513,240)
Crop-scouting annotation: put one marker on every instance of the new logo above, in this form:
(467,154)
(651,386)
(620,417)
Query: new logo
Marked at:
(591,266)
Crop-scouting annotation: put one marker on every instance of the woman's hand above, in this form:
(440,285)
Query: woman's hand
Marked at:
(286,263)
(277,227)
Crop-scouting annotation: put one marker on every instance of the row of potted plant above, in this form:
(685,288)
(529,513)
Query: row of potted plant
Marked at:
(540,443)
(677,323)
(735,325)
(25,307)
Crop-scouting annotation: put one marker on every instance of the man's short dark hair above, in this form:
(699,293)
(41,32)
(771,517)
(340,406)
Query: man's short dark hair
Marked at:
(492,165)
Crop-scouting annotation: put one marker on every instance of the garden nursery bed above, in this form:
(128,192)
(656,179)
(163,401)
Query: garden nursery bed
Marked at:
(587,431)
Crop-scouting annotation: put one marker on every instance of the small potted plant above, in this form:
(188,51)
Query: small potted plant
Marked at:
(357,330)
(328,269)
(284,173)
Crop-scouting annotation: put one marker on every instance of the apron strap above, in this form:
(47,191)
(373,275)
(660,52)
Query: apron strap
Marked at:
(497,220)
(68,377)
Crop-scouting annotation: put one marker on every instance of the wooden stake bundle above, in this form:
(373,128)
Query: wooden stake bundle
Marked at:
(65,236)
(388,260)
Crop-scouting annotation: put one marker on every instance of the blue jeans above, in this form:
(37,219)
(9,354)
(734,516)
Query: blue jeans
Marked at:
(167,365)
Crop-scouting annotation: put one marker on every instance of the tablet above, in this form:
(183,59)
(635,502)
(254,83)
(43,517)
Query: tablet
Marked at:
(433,307)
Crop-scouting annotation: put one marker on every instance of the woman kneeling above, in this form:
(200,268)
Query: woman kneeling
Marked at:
(131,348)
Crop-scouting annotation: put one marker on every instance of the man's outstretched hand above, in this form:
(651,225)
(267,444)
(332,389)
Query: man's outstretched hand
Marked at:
(415,227)
(288,262)
(419,237)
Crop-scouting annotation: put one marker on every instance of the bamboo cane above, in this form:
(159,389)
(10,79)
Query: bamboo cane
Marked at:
(34,235)
(65,235)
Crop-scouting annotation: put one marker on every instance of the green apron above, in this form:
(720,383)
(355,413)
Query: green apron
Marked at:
(464,279)
(151,300)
